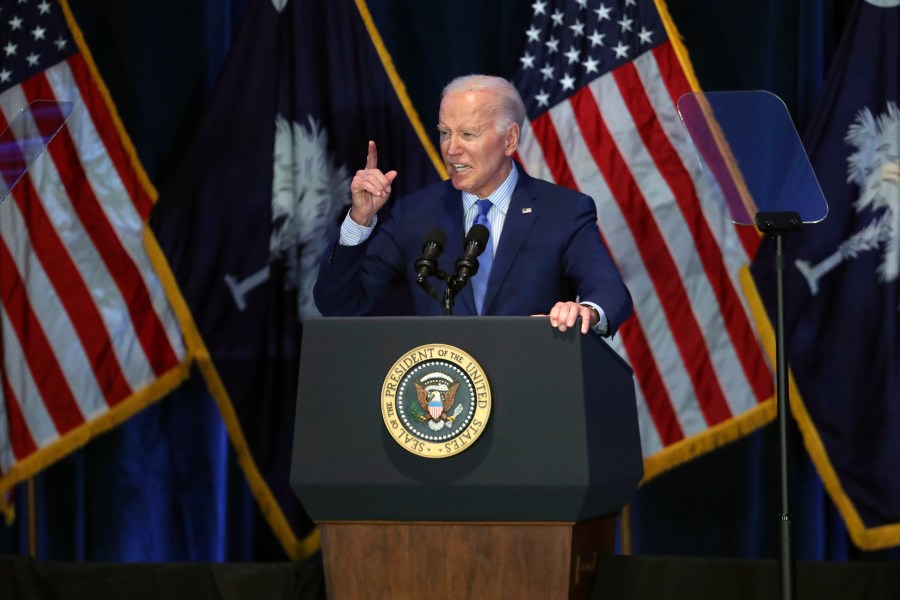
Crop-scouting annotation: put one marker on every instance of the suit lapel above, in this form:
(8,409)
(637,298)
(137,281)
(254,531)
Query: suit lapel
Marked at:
(519,219)
(452,218)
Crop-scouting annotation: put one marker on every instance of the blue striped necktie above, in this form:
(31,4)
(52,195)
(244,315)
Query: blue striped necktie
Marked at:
(486,260)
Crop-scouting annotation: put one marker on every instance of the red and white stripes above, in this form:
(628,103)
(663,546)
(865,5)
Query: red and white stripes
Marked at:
(696,355)
(84,319)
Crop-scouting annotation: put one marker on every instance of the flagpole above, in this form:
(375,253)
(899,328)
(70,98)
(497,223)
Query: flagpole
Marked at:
(777,224)
(31,503)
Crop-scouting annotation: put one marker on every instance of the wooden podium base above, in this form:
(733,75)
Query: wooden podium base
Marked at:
(412,561)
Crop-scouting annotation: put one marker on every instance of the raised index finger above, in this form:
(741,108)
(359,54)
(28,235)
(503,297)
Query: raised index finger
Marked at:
(372,156)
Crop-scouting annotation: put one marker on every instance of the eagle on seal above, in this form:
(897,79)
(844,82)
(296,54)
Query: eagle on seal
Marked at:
(437,398)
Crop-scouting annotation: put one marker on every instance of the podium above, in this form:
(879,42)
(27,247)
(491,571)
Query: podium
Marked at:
(522,512)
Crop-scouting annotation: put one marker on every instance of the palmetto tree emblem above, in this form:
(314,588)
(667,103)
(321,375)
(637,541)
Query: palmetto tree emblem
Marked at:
(875,168)
(308,190)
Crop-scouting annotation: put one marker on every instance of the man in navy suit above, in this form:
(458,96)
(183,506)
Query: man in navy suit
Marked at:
(544,255)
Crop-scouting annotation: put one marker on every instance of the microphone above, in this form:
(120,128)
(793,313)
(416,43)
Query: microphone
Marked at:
(467,264)
(427,265)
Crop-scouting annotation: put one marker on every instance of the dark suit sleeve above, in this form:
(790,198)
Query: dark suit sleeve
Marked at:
(352,278)
(589,266)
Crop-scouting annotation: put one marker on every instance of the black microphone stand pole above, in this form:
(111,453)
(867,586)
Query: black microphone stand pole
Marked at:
(777,224)
(454,286)
(448,301)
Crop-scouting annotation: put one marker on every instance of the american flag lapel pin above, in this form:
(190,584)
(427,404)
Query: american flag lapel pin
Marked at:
(526,211)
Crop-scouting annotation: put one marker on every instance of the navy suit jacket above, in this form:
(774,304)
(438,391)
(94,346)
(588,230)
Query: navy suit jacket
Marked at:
(550,250)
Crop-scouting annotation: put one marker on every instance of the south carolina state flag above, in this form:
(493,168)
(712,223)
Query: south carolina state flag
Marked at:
(841,283)
(243,224)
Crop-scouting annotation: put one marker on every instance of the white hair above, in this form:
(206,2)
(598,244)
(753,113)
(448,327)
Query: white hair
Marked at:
(511,108)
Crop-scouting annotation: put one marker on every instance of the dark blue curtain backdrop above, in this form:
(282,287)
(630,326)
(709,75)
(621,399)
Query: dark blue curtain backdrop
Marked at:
(165,486)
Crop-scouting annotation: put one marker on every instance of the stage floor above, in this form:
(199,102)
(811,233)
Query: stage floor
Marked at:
(618,578)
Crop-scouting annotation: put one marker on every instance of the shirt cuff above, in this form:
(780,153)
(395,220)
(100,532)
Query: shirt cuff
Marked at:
(602,326)
(354,234)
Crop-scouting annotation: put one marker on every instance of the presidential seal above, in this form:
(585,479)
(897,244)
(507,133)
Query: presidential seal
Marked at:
(435,400)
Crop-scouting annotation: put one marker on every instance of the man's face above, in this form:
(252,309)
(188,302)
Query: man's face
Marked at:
(475,153)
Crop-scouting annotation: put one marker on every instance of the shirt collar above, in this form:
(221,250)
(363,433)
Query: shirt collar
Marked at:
(501,197)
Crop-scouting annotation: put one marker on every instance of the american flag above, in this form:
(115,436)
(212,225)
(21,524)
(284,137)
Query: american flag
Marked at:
(600,81)
(87,333)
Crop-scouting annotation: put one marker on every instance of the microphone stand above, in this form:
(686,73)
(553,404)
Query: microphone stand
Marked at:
(453,287)
(447,302)
(466,267)
(448,296)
